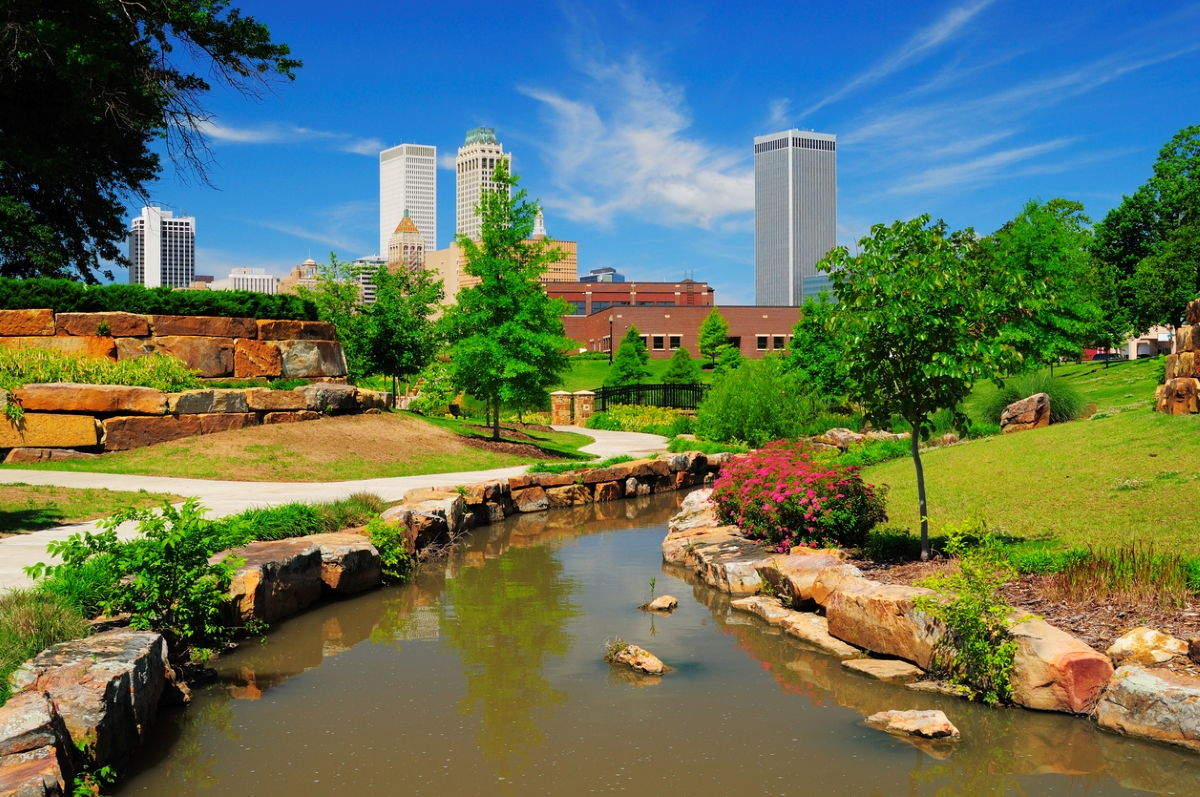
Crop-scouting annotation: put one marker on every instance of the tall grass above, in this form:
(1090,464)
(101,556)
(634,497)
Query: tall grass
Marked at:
(300,520)
(35,366)
(1131,574)
(1066,403)
(640,418)
(30,622)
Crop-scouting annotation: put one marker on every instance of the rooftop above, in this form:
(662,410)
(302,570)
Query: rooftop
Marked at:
(481,135)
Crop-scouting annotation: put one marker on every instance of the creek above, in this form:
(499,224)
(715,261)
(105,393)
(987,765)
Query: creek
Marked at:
(486,676)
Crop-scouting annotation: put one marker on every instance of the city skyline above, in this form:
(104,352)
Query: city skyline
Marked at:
(162,249)
(408,186)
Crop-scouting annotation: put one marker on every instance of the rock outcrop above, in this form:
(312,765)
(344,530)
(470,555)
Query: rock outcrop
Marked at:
(1152,704)
(1026,414)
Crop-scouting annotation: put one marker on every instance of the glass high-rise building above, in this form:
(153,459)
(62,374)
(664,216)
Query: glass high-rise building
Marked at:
(795,214)
(408,182)
(162,249)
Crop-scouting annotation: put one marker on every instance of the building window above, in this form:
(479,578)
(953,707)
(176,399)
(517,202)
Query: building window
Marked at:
(762,342)
(778,343)
(620,304)
(675,342)
(576,308)
(645,304)
(660,342)
(596,306)
(645,341)
(665,304)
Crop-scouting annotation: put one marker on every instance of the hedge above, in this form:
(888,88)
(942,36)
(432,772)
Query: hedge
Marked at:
(65,296)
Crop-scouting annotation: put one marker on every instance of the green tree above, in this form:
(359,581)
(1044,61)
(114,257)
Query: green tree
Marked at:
(760,402)
(714,333)
(629,366)
(88,89)
(815,355)
(682,370)
(1167,280)
(508,340)
(921,323)
(337,296)
(403,336)
(729,358)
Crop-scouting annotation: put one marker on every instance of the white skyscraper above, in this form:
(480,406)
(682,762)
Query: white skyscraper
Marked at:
(795,214)
(477,159)
(162,249)
(408,181)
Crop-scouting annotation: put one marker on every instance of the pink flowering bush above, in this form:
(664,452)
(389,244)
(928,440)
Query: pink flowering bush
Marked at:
(779,495)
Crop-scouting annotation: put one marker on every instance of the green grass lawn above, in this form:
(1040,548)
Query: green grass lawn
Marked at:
(1127,474)
(29,507)
(589,374)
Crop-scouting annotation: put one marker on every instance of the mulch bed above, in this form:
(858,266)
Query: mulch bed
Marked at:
(518,449)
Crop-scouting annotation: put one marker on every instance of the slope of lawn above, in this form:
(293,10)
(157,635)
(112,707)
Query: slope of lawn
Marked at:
(30,507)
(1126,474)
(589,374)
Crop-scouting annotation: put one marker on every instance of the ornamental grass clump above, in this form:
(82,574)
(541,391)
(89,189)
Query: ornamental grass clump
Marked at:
(779,495)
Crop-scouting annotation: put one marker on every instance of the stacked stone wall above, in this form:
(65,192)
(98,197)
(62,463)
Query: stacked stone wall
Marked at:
(1180,392)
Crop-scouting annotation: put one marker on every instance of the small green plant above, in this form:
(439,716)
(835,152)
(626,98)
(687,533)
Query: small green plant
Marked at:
(103,330)
(613,648)
(397,563)
(652,583)
(91,782)
(977,651)
(1133,574)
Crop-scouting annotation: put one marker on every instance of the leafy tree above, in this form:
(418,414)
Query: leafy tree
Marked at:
(714,333)
(508,340)
(402,334)
(1167,280)
(814,354)
(88,87)
(629,366)
(729,358)
(682,370)
(337,296)
(921,324)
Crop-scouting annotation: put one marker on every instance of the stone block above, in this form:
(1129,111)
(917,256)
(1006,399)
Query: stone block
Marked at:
(1152,704)
(312,358)
(136,431)
(689,462)
(276,580)
(649,468)
(495,512)
(195,402)
(770,610)
(531,499)
(1146,646)
(923,724)
(1192,312)
(882,618)
(571,495)
(891,671)
(374,400)
(94,399)
(349,562)
(840,438)
(548,480)
(290,417)
(1178,397)
(106,687)
(451,509)
(33,455)
(295,330)
(89,346)
(1188,338)
(609,491)
(256,358)
(203,326)
(835,577)
(50,430)
(613,473)
(1055,671)
(35,748)
(1026,414)
(795,575)
(814,629)
(20,323)
(263,399)
(329,397)
(683,480)
(208,356)
(120,325)
(227,421)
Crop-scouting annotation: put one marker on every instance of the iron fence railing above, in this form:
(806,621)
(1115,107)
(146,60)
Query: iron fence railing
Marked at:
(680,397)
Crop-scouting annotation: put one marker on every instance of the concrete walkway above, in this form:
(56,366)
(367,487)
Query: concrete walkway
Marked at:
(228,498)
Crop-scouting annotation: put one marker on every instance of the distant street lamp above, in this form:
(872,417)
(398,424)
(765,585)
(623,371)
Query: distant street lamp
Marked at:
(610,338)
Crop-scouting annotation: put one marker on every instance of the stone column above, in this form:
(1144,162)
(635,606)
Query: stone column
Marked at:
(560,408)
(584,399)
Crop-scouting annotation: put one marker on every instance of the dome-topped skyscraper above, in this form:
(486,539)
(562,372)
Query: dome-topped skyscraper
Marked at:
(406,246)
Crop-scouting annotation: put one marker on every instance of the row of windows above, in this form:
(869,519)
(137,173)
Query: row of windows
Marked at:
(651,342)
(799,143)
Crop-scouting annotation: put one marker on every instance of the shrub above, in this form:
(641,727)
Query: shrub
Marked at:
(678,445)
(754,404)
(566,467)
(436,391)
(30,622)
(66,296)
(396,562)
(641,418)
(779,495)
(872,452)
(299,519)
(1066,403)
(977,651)
(682,370)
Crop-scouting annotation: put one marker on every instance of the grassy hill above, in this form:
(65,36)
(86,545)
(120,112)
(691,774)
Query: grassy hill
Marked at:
(589,374)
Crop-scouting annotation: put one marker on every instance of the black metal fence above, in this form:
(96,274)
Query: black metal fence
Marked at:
(681,397)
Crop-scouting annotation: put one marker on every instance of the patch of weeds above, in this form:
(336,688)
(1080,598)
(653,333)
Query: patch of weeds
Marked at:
(30,622)
(396,562)
(1133,574)
(613,648)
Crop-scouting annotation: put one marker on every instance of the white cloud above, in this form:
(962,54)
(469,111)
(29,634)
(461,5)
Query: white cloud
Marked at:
(626,150)
(446,160)
(290,134)
(779,113)
(982,169)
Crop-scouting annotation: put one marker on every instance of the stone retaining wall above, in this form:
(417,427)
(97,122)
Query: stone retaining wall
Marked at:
(1180,392)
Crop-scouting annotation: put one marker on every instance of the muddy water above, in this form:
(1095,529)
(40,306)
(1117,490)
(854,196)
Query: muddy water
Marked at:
(487,678)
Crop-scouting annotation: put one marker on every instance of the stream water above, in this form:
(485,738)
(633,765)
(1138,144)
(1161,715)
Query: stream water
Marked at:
(487,678)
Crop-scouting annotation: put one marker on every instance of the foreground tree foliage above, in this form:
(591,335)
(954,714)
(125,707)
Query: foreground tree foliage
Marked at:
(87,89)
(629,366)
(402,333)
(507,335)
(682,370)
(814,354)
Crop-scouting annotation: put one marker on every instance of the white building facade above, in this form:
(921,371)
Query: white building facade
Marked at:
(256,280)
(475,164)
(795,214)
(366,268)
(162,249)
(408,181)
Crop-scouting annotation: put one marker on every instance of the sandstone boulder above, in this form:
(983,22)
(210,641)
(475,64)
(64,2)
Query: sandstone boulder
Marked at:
(638,659)
(925,724)
(493,512)
(378,400)
(828,581)
(842,438)
(21,323)
(50,430)
(649,468)
(106,687)
(882,618)
(697,501)
(1026,414)
(689,462)
(402,516)
(295,330)
(892,671)
(613,473)
(326,397)
(767,609)
(663,603)
(1152,704)
(1178,397)
(312,358)
(208,356)
(90,346)
(114,325)
(33,455)
(1055,671)
(135,431)
(195,402)
(571,495)
(793,576)
(814,629)
(35,748)
(264,399)
(1192,312)
(349,562)
(227,421)
(290,417)
(256,358)
(1146,646)
(531,499)
(92,399)
(276,580)
(203,326)
(730,565)
(547,480)
(452,510)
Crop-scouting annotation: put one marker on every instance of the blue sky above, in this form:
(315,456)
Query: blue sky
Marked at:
(633,122)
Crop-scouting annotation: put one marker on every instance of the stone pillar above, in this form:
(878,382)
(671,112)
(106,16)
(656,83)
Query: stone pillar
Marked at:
(584,399)
(560,408)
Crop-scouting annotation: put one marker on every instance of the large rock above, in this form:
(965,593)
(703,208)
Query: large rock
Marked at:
(1152,704)
(276,580)
(613,473)
(374,400)
(767,609)
(925,724)
(689,462)
(882,618)
(1192,313)
(106,687)
(892,671)
(35,748)
(312,358)
(263,399)
(349,562)
(649,468)
(531,499)
(208,356)
(227,421)
(329,397)
(295,330)
(1055,671)
(831,579)
(290,417)
(663,603)
(50,430)
(93,399)
(136,431)
(841,438)
(114,325)
(1178,397)
(814,629)
(731,565)
(609,491)
(638,659)
(204,326)
(793,576)
(571,495)
(90,346)
(1146,646)
(256,358)
(19,323)
(195,402)
(34,455)
(452,510)
(1026,414)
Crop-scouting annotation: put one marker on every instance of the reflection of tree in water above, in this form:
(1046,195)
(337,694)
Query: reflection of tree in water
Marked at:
(181,743)
(504,619)
(983,766)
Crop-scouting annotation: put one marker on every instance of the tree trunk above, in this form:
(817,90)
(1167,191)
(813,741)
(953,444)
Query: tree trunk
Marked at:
(916,455)
(496,420)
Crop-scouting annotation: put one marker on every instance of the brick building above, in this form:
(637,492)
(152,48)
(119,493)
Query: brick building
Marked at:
(586,298)
(754,330)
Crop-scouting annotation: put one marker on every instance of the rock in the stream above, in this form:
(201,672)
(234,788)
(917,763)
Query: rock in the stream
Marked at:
(35,747)
(638,659)
(1152,704)
(349,562)
(883,618)
(925,724)
(663,603)
(814,629)
(276,580)
(795,575)
(890,670)
(1146,646)
(769,609)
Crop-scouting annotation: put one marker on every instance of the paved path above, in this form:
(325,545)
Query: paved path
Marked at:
(228,498)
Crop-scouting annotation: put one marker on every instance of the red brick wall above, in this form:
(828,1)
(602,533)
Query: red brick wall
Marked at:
(745,322)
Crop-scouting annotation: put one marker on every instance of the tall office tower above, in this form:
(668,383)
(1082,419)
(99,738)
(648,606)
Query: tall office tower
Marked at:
(408,181)
(162,249)
(795,214)
(406,246)
(477,159)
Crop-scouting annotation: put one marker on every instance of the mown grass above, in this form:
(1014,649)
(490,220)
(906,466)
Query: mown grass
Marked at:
(28,507)
(589,374)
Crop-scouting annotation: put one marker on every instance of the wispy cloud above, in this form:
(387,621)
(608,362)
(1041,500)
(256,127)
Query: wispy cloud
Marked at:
(447,160)
(627,150)
(779,113)
(350,227)
(291,134)
(978,170)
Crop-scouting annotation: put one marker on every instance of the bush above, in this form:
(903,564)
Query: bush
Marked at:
(871,452)
(754,404)
(436,392)
(779,495)
(66,296)
(678,445)
(396,562)
(1066,403)
(641,418)
(30,622)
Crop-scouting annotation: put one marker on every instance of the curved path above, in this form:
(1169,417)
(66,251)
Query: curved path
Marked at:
(228,498)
